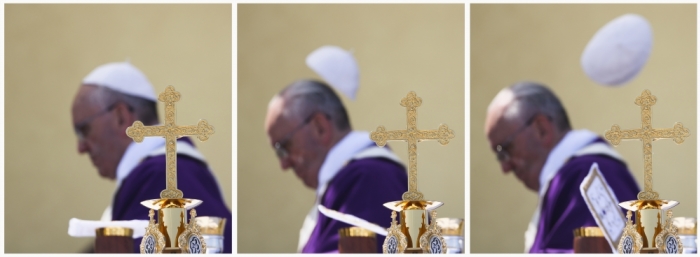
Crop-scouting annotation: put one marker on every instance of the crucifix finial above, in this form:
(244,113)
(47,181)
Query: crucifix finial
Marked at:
(647,134)
(412,135)
(171,132)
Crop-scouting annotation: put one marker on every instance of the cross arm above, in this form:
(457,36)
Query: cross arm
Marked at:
(380,136)
(443,134)
(138,131)
(615,134)
(677,133)
(202,130)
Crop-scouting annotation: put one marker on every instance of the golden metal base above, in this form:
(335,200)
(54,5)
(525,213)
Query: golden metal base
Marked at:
(649,250)
(414,232)
(649,234)
(413,250)
(172,231)
(172,250)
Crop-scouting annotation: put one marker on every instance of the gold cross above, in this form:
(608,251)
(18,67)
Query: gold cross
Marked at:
(412,135)
(171,132)
(647,135)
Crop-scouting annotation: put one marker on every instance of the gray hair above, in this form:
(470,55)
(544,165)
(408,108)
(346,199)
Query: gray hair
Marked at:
(305,97)
(531,98)
(146,110)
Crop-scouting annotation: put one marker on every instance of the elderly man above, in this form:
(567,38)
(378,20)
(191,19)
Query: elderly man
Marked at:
(529,131)
(310,131)
(108,101)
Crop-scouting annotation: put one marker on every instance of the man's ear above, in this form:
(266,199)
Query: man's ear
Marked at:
(323,128)
(545,129)
(125,115)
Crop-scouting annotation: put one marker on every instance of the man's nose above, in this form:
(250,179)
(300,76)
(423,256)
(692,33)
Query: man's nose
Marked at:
(82,146)
(506,167)
(285,163)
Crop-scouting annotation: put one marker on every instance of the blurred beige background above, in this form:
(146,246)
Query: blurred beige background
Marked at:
(544,43)
(48,51)
(399,48)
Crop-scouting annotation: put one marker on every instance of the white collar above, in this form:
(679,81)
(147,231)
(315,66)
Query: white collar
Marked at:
(134,154)
(573,141)
(339,155)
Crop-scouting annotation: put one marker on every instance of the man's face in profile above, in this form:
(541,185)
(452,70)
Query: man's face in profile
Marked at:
(293,143)
(97,135)
(513,142)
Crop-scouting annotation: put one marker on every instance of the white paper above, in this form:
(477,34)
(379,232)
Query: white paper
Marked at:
(603,205)
(86,228)
(352,220)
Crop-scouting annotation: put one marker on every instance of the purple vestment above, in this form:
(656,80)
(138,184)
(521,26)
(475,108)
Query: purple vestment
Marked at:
(563,206)
(147,180)
(360,188)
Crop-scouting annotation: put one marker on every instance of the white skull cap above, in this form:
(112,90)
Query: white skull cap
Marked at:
(122,77)
(337,67)
(618,51)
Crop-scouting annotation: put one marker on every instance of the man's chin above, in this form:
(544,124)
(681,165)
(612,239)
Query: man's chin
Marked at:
(531,187)
(308,185)
(106,176)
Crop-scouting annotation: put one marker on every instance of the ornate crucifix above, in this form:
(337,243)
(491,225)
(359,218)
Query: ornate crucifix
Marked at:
(171,132)
(647,134)
(412,135)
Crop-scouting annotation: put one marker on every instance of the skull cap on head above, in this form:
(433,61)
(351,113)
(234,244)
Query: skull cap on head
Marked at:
(337,67)
(122,77)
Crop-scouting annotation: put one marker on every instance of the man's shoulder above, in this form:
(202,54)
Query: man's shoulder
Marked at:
(577,168)
(373,174)
(583,163)
(366,182)
(160,160)
(373,166)
(156,165)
